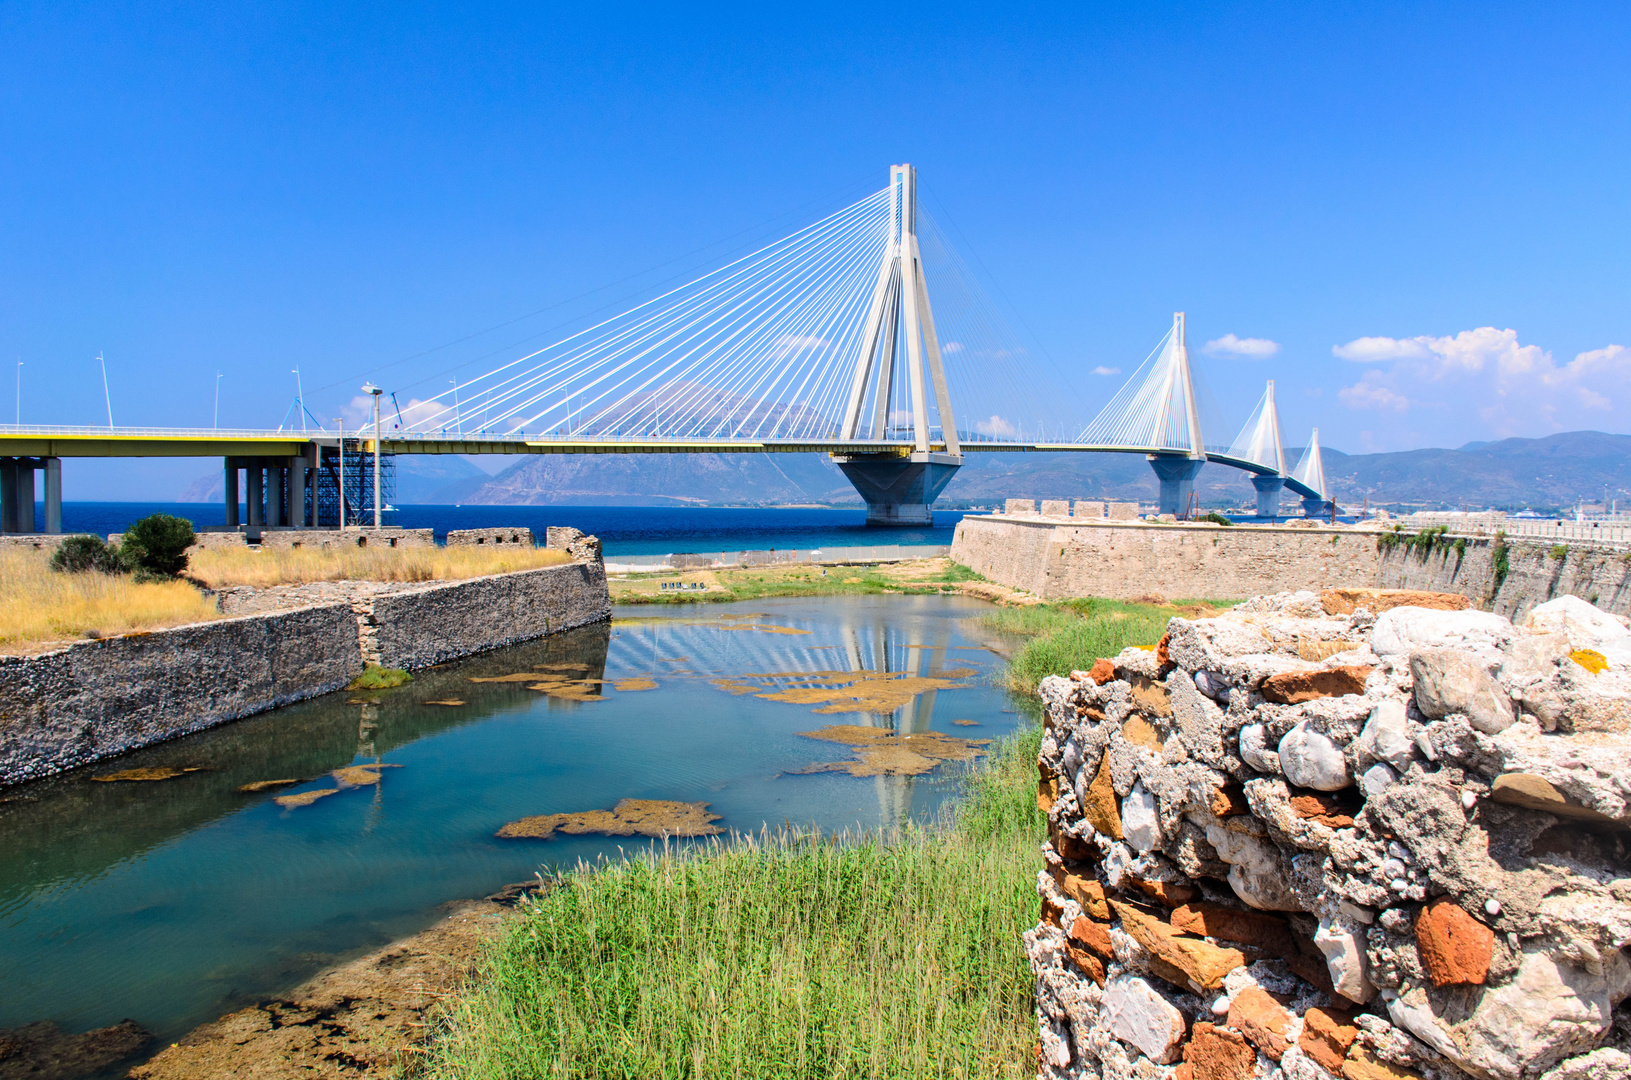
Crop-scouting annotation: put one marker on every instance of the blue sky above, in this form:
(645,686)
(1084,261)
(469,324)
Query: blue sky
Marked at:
(1423,207)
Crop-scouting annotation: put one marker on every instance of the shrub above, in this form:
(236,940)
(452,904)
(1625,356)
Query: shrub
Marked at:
(1216,518)
(78,554)
(1500,560)
(1560,552)
(374,677)
(158,544)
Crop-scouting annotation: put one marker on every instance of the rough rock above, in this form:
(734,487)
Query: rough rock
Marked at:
(1312,760)
(1263,1021)
(1140,825)
(1399,632)
(1376,601)
(1448,681)
(1294,687)
(1142,1018)
(1216,1053)
(1327,1034)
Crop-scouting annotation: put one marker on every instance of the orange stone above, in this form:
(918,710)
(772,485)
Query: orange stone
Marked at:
(1258,929)
(1202,963)
(1183,1071)
(1085,891)
(1262,1020)
(1327,1034)
(1138,731)
(1090,964)
(1215,1053)
(1325,809)
(1346,601)
(1070,848)
(1362,1066)
(1102,809)
(1102,671)
(1051,911)
(1161,656)
(1168,893)
(1229,800)
(1295,687)
(1094,937)
(1454,946)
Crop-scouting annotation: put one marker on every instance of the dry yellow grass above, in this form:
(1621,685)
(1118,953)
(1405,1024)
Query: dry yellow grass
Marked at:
(38,605)
(219,567)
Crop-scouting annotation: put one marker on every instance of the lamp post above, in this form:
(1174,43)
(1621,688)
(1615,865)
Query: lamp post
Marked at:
(217,400)
(370,388)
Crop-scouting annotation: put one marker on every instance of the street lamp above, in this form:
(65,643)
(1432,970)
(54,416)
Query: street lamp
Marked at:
(370,388)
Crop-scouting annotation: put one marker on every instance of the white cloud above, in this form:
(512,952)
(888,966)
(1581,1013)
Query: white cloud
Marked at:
(1370,393)
(1251,348)
(951,347)
(996,427)
(1102,370)
(1468,351)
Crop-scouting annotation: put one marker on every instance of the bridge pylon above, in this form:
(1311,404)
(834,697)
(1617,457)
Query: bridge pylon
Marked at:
(899,489)
(1310,472)
(1259,444)
(1174,386)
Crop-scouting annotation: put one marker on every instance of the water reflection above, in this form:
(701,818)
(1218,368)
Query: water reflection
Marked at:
(172,902)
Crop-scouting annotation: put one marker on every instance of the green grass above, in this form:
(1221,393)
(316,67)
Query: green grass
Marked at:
(1069,636)
(374,677)
(763,583)
(777,956)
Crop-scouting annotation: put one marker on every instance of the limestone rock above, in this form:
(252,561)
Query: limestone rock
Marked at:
(1376,779)
(1548,1012)
(1386,737)
(1454,947)
(1256,872)
(1293,687)
(1254,749)
(1448,680)
(1587,626)
(1142,1018)
(1401,631)
(1343,943)
(1139,824)
(1312,760)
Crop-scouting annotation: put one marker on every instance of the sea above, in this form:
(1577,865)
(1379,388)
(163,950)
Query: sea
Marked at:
(623,530)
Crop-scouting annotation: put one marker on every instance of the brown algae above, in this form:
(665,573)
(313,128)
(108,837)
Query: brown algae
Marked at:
(158,772)
(630,817)
(882,752)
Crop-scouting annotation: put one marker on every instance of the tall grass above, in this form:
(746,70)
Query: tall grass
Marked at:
(39,605)
(776,956)
(219,567)
(1071,635)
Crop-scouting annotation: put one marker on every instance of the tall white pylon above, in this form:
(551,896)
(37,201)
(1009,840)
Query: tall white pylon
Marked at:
(1156,410)
(1310,470)
(1259,440)
(900,302)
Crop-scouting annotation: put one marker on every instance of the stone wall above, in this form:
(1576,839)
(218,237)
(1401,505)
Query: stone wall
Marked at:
(461,537)
(95,699)
(429,625)
(1536,572)
(1325,836)
(1055,560)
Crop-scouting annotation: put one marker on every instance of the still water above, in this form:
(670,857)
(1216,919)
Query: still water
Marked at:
(175,901)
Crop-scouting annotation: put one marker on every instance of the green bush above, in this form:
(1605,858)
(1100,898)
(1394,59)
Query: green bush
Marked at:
(158,544)
(1216,518)
(1560,552)
(79,554)
(374,677)
(1500,560)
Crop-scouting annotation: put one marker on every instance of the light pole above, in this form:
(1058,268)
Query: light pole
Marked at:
(370,388)
(217,400)
(106,396)
(20,394)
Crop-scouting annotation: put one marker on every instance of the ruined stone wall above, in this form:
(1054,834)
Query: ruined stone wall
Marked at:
(1055,560)
(520,536)
(95,699)
(429,625)
(1323,836)
(1536,572)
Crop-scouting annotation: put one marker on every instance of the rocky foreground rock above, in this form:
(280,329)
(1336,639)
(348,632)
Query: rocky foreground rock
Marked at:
(1329,836)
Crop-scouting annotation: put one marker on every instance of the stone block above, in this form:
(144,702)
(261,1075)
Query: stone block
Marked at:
(1122,511)
(1257,929)
(1019,506)
(1201,962)
(1215,1053)
(1140,1017)
(1101,808)
(1448,680)
(1055,508)
(1263,1021)
(1376,601)
(1327,1034)
(1088,510)
(1295,687)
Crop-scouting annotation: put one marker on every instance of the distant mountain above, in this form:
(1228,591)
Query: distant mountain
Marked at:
(1512,474)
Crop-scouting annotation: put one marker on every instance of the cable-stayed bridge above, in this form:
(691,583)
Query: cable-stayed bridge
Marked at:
(863,336)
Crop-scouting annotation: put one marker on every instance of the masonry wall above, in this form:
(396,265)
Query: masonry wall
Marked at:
(427,626)
(95,699)
(1055,560)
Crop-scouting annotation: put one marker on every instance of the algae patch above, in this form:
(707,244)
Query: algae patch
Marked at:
(632,684)
(360,775)
(630,817)
(852,691)
(448,701)
(269,785)
(159,772)
(882,752)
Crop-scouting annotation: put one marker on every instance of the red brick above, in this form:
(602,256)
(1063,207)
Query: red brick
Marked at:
(1262,1020)
(1327,1034)
(1103,671)
(1094,936)
(1294,687)
(1215,1053)
(1259,929)
(1454,946)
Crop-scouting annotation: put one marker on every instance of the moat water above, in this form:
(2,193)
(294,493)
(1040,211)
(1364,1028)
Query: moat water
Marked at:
(172,902)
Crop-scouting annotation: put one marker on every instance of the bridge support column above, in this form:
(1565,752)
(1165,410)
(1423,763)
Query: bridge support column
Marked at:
(1177,476)
(255,473)
(897,490)
(8,495)
(1268,495)
(229,491)
(25,495)
(1316,507)
(53,494)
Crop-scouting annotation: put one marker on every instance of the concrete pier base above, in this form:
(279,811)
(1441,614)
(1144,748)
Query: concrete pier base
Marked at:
(899,491)
(1177,476)
(17,491)
(1268,495)
(1316,507)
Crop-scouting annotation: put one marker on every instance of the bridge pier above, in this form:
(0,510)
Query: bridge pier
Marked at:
(898,490)
(1315,507)
(1177,476)
(1268,495)
(17,494)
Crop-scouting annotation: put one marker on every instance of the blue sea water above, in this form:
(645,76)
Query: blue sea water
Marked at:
(623,530)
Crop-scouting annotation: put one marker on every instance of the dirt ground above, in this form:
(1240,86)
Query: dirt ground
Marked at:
(938,575)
